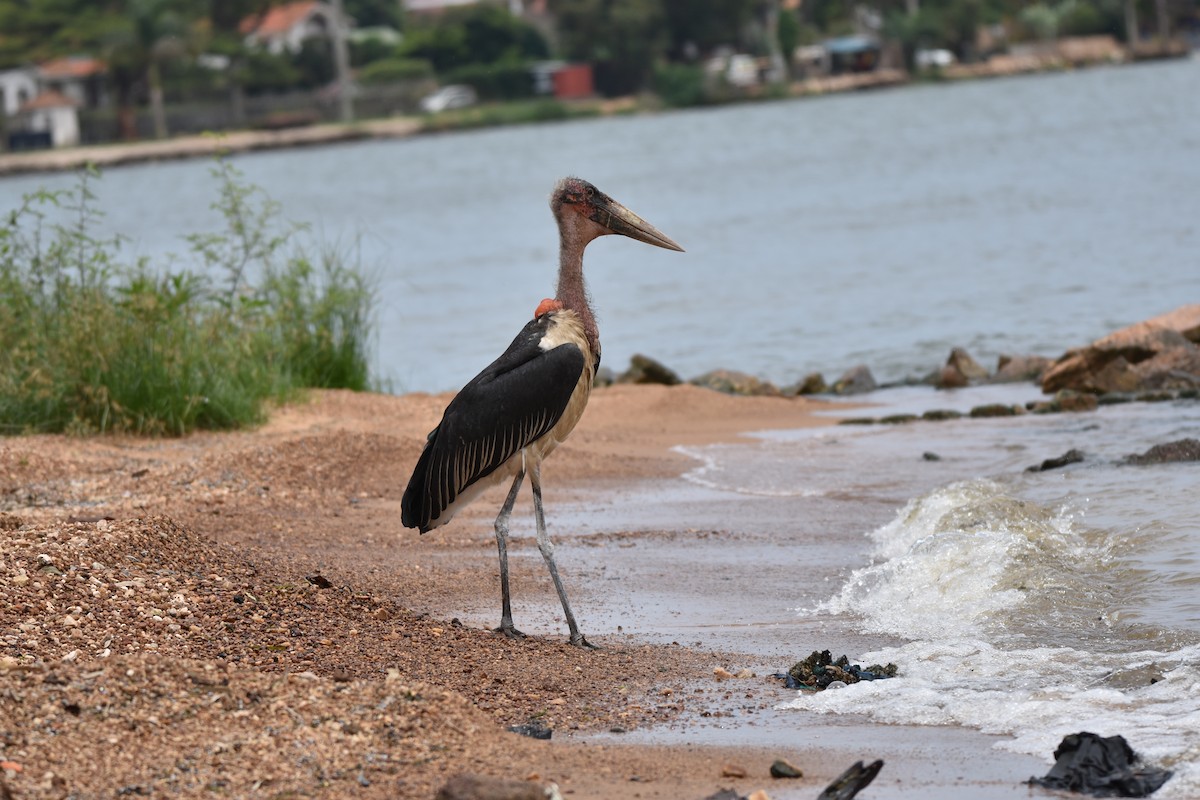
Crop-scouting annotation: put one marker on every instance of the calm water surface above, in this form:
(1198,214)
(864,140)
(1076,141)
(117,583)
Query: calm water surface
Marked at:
(1022,215)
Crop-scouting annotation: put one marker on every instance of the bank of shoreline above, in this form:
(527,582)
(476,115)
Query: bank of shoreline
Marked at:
(242,141)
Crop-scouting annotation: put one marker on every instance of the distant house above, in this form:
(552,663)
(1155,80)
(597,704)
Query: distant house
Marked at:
(17,87)
(50,113)
(286,27)
(852,54)
(81,78)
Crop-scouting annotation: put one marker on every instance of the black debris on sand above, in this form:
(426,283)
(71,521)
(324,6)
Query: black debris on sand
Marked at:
(1102,767)
(820,669)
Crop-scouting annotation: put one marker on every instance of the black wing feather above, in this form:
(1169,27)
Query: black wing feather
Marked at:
(518,398)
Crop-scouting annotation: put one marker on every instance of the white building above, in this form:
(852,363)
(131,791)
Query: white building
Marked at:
(17,87)
(53,113)
(286,27)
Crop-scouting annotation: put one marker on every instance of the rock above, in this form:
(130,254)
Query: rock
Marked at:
(856,380)
(1066,400)
(960,370)
(1171,452)
(941,414)
(733,771)
(722,674)
(1018,369)
(852,781)
(758,795)
(733,382)
(820,670)
(813,383)
(481,787)
(1072,456)
(534,730)
(1102,767)
(929,455)
(996,410)
(898,419)
(857,421)
(604,377)
(643,369)
(724,794)
(1158,353)
(783,769)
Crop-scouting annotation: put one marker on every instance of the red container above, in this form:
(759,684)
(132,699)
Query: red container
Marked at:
(573,82)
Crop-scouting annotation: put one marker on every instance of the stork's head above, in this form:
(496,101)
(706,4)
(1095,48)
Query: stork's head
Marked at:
(584,213)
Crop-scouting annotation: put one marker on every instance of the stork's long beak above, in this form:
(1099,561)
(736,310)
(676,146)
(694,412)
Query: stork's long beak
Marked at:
(619,219)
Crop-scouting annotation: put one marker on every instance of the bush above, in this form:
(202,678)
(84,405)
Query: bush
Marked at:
(501,81)
(90,345)
(395,70)
(680,85)
(526,111)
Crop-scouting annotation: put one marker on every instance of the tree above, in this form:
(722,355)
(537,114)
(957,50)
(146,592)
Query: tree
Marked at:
(478,34)
(699,26)
(139,42)
(621,38)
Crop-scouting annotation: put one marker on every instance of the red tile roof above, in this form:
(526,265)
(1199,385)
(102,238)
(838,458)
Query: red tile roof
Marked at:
(277,19)
(50,99)
(72,67)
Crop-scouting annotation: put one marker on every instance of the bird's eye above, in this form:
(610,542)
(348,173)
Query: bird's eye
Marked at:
(591,192)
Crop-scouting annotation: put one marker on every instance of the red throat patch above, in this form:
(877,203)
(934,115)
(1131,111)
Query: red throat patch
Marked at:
(546,306)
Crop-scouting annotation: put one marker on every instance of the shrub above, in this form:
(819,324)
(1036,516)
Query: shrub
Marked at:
(88,344)
(395,70)
(500,81)
(680,85)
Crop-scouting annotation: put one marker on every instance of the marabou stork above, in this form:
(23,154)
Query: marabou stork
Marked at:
(525,403)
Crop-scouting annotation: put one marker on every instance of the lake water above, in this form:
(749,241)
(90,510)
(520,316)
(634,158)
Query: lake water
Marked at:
(1032,605)
(1009,216)
(1005,216)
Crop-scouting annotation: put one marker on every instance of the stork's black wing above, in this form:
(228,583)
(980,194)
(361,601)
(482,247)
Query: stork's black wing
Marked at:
(518,398)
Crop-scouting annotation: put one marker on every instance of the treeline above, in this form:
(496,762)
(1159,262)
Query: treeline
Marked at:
(187,48)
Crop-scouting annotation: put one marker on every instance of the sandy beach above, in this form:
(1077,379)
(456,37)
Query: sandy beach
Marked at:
(161,634)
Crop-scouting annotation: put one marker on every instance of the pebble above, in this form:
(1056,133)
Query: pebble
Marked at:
(733,771)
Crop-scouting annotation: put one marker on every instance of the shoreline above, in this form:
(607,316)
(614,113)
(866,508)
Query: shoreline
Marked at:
(243,141)
(673,583)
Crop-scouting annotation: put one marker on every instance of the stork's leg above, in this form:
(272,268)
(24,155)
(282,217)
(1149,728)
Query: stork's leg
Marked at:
(506,623)
(543,541)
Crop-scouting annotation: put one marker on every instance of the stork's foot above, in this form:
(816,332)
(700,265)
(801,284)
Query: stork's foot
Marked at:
(578,640)
(509,631)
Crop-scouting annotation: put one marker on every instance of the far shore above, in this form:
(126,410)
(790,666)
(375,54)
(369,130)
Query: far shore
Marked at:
(207,145)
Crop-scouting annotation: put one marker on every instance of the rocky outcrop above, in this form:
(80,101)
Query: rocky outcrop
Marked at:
(644,369)
(813,383)
(1181,450)
(1159,353)
(1018,369)
(733,382)
(960,370)
(856,380)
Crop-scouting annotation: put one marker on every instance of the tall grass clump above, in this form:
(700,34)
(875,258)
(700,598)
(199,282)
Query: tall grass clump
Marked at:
(89,343)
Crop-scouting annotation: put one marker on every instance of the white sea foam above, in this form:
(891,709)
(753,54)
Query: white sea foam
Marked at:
(1036,697)
(1010,606)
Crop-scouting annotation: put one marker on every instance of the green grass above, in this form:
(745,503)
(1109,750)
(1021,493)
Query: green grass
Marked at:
(90,343)
(512,112)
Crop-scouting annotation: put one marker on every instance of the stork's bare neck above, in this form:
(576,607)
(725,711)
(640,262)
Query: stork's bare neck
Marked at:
(572,291)
(584,213)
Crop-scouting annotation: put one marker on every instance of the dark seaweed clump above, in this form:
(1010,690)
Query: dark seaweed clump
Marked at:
(816,672)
